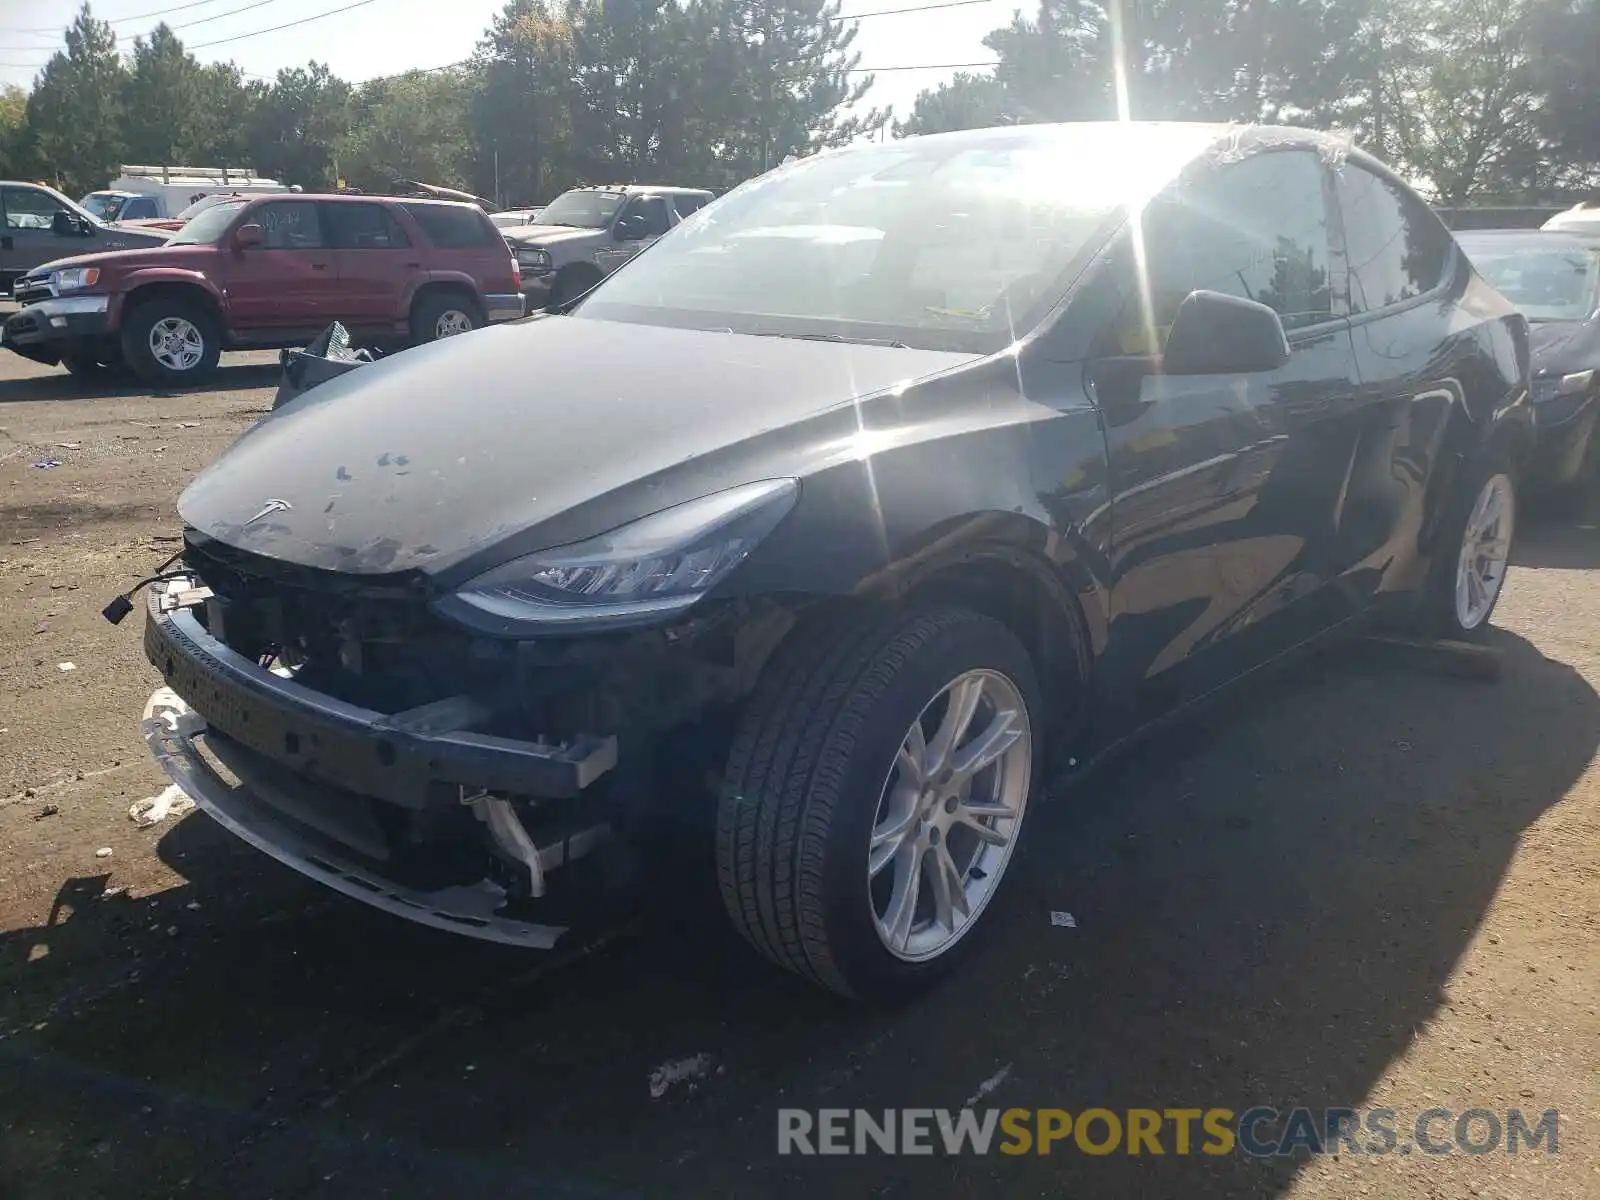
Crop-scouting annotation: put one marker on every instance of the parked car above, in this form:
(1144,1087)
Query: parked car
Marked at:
(168,190)
(586,233)
(121,206)
(1553,279)
(38,223)
(174,223)
(510,218)
(269,272)
(1582,217)
(843,566)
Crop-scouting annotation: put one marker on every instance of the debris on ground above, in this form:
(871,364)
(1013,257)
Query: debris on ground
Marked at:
(66,666)
(173,802)
(46,463)
(1064,919)
(103,852)
(681,1071)
(49,810)
(69,445)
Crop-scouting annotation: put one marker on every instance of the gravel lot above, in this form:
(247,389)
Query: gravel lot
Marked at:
(1357,884)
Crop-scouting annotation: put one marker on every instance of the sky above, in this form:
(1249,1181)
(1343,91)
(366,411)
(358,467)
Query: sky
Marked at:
(382,37)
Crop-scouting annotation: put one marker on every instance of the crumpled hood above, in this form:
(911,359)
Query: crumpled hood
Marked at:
(549,235)
(422,459)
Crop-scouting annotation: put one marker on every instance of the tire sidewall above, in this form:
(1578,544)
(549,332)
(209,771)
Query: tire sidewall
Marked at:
(136,341)
(572,283)
(865,963)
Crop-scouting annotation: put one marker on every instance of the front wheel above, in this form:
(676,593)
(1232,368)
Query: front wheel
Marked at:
(1474,554)
(874,798)
(171,342)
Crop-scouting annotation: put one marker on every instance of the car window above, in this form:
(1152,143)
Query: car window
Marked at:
(654,210)
(1257,229)
(1550,279)
(454,228)
(688,204)
(363,227)
(289,225)
(1396,246)
(138,208)
(29,208)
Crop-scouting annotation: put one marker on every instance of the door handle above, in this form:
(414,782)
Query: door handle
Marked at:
(319,266)
(414,266)
(6,243)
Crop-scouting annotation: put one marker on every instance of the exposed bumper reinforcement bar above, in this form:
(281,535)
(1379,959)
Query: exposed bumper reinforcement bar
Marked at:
(170,729)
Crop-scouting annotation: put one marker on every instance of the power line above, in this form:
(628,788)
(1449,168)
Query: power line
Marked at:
(239,37)
(128,37)
(891,12)
(919,67)
(160,12)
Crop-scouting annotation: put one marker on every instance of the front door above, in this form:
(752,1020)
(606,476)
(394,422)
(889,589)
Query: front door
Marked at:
(286,283)
(1221,494)
(376,264)
(650,218)
(28,238)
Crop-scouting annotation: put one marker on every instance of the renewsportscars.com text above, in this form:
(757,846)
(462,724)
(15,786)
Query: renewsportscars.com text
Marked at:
(1258,1132)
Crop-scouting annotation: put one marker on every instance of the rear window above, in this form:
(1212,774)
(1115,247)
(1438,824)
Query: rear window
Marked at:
(454,228)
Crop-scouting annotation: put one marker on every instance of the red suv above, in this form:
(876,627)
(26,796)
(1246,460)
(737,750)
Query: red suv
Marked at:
(266,273)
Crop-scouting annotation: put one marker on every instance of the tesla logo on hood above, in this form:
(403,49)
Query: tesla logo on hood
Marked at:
(270,507)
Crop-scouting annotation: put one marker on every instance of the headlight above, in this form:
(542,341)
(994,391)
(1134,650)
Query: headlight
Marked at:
(75,279)
(653,567)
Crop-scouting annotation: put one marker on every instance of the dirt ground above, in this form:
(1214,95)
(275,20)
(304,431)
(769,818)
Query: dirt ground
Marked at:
(1358,884)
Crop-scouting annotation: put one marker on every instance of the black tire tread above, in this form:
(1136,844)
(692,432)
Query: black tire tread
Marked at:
(786,771)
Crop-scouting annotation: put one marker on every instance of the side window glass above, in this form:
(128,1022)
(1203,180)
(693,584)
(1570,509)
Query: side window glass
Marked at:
(364,227)
(654,210)
(1397,248)
(28,208)
(1257,229)
(289,225)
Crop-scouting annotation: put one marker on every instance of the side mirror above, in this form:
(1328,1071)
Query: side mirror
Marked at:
(66,224)
(1216,334)
(249,235)
(632,228)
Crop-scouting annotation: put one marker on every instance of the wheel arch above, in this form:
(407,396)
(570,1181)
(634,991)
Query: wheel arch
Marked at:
(187,290)
(446,287)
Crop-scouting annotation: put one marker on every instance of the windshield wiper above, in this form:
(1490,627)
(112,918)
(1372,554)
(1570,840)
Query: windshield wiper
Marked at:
(888,343)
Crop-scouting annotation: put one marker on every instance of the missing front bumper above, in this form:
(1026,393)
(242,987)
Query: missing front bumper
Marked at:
(171,729)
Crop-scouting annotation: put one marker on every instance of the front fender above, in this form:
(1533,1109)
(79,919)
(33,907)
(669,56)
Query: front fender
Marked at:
(146,276)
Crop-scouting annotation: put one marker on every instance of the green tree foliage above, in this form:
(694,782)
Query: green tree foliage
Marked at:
(1473,98)
(75,109)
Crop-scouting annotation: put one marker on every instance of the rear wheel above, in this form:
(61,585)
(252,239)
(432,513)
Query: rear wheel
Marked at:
(444,314)
(171,342)
(1474,555)
(874,798)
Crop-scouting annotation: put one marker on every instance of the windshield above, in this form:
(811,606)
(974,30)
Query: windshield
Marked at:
(583,209)
(1555,281)
(105,205)
(957,242)
(198,207)
(206,228)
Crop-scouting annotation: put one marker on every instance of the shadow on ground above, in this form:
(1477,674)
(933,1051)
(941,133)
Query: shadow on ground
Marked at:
(62,386)
(1268,903)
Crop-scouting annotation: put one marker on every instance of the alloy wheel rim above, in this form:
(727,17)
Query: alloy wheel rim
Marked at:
(176,344)
(451,323)
(1485,551)
(949,814)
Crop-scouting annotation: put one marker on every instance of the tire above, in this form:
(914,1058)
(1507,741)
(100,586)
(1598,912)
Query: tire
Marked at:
(195,341)
(817,765)
(570,285)
(1454,607)
(439,315)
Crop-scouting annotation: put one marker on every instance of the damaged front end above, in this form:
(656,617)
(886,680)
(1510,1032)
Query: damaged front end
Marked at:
(341,726)
(327,357)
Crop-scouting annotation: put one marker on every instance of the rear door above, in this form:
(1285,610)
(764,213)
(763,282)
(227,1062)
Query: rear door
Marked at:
(1220,489)
(465,240)
(377,263)
(288,282)
(1415,348)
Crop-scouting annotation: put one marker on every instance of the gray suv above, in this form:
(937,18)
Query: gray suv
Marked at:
(586,233)
(39,225)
